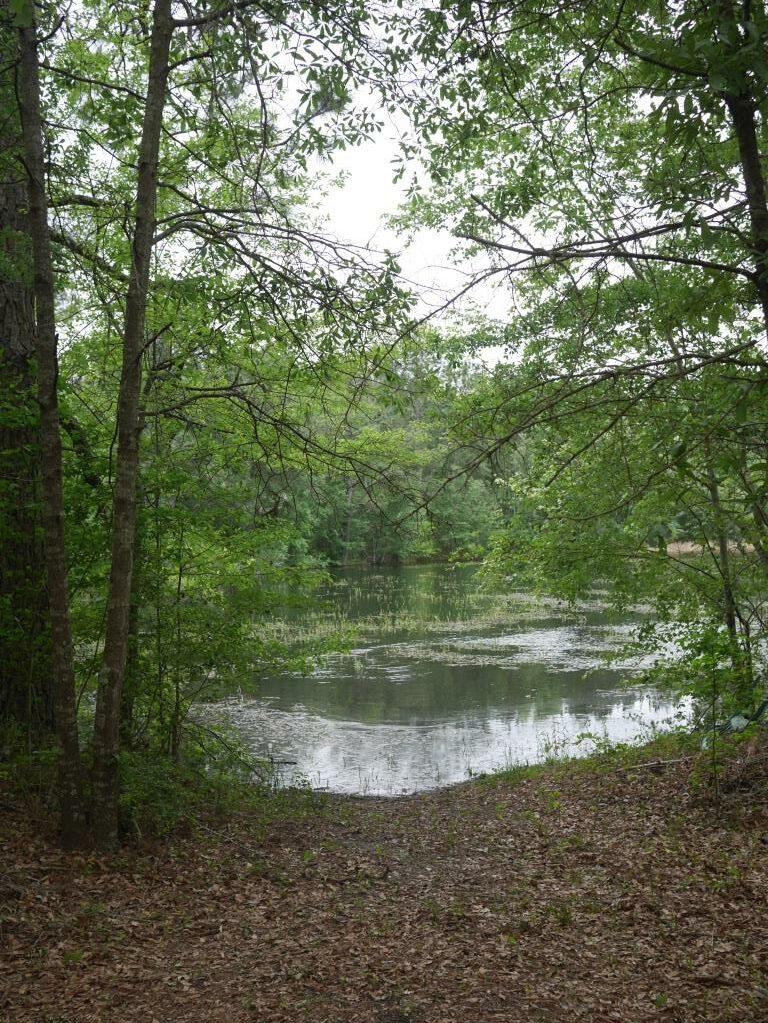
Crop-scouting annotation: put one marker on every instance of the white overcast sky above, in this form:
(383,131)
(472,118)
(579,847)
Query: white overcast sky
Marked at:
(357,211)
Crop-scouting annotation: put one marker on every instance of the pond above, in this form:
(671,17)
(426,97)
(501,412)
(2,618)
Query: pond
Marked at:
(446,680)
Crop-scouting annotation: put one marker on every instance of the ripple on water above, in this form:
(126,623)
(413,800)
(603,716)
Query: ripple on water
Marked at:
(475,690)
(354,757)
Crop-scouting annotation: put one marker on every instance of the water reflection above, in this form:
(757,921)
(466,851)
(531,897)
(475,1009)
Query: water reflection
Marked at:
(377,759)
(467,681)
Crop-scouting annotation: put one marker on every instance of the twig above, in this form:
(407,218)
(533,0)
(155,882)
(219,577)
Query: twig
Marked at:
(651,764)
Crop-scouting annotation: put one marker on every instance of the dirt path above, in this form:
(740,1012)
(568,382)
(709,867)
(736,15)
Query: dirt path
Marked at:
(614,896)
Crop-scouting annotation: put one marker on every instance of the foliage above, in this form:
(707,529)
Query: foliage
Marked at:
(605,161)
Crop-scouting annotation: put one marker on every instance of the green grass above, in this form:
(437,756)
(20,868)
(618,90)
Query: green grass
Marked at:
(607,757)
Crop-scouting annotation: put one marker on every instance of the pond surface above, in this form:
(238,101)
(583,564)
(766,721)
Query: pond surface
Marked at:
(447,680)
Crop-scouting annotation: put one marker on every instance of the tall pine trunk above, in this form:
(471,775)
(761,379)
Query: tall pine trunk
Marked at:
(73,821)
(112,674)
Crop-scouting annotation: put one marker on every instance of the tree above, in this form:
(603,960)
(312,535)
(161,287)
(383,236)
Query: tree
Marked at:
(207,90)
(655,513)
(615,145)
(607,159)
(595,136)
(73,821)
(26,696)
(107,723)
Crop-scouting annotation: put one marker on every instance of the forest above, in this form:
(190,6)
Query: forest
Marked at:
(210,402)
(207,400)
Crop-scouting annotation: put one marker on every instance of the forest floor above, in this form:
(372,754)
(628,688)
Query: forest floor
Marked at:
(590,891)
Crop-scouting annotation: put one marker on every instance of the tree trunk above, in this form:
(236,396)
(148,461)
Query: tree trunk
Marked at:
(739,644)
(106,731)
(73,822)
(26,687)
(26,675)
(742,109)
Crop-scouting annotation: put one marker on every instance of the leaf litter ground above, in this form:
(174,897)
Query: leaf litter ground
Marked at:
(574,893)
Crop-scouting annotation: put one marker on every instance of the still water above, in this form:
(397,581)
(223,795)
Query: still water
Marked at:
(446,680)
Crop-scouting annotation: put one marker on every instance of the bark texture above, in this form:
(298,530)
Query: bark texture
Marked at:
(26,689)
(73,822)
(742,106)
(112,674)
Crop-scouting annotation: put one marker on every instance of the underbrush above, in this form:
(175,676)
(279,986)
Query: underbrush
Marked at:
(211,780)
(161,797)
(730,762)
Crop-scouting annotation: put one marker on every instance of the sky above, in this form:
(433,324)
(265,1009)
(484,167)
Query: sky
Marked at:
(357,212)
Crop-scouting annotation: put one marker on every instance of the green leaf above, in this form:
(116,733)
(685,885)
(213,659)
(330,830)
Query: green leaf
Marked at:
(717,81)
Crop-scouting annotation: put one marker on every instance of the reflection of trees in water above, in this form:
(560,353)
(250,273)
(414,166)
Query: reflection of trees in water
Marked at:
(348,756)
(463,695)
(425,693)
(422,592)
(531,661)
(443,592)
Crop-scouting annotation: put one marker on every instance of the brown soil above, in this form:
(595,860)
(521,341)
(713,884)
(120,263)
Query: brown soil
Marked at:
(577,894)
